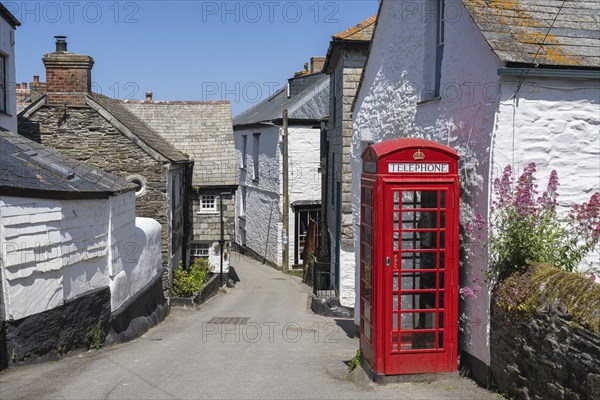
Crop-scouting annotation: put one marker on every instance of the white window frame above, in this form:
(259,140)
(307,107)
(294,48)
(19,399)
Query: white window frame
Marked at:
(199,250)
(243,194)
(205,200)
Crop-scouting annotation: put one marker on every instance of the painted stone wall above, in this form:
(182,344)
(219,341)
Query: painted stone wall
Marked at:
(304,176)
(395,101)
(52,250)
(260,227)
(8,119)
(556,124)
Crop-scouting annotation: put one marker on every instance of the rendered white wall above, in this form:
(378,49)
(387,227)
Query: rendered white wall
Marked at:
(263,195)
(52,251)
(141,260)
(8,120)
(304,175)
(55,250)
(556,124)
(389,106)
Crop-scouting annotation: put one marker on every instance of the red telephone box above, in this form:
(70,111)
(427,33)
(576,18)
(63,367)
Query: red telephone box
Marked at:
(409,257)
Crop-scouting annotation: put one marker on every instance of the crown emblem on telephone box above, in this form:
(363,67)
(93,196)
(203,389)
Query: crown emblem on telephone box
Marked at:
(419,155)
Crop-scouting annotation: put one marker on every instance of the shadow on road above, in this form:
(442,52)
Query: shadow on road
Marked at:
(348,327)
(233,274)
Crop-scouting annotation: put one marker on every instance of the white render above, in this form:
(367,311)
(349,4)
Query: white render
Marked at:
(55,250)
(8,120)
(261,228)
(557,127)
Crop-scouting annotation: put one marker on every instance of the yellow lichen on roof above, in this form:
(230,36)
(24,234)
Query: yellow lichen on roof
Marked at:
(361,31)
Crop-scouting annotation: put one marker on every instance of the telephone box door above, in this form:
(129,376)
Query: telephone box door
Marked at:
(418,278)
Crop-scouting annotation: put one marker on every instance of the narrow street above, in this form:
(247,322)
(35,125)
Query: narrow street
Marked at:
(281,351)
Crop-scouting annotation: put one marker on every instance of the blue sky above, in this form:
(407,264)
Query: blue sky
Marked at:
(185,50)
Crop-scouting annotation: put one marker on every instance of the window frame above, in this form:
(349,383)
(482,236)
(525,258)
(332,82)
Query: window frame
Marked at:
(207,210)
(244,152)
(256,154)
(200,247)
(3,88)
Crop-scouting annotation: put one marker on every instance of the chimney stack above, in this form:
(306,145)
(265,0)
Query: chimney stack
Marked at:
(317,64)
(18,86)
(24,85)
(148,97)
(68,75)
(36,78)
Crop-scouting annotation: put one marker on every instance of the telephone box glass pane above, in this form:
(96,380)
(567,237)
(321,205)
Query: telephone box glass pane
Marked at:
(441,320)
(419,280)
(394,321)
(367,330)
(367,311)
(396,280)
(418,320)
(396,200)
(442,260)
(417,340)
(417,301)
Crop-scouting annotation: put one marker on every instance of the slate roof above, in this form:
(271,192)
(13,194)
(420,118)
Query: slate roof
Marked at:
(202,130)
(7,15)
(308,105)
(27,166)
(140,129)
(517,29)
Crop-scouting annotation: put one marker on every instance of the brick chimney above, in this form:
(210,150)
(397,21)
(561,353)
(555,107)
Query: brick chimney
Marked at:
(316,64)
(148,97)
(68,75)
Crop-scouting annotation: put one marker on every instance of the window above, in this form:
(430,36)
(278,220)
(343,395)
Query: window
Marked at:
(332,178)
(242,201)
(199,250)
(435,37)
(208,204)
(244,151)
(255,153)
(140,185)
(439,46)
(2,83)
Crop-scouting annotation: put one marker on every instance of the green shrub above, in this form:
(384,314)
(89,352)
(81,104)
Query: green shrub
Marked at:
(188,282)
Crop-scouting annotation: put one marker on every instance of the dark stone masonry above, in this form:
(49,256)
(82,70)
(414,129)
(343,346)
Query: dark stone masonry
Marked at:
(545,356)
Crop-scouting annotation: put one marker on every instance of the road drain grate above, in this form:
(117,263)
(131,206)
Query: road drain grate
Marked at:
(229,320)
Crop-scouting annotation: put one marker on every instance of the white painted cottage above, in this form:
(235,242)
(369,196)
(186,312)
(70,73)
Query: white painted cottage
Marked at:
(502,82)
(258,134)
(73,256)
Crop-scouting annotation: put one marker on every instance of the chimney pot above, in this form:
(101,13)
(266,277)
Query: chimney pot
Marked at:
(61,44)
(148,96)
(24,85)
(18,86)
(36,78)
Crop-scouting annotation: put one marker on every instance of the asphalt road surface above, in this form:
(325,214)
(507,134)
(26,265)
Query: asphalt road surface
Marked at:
(277,350)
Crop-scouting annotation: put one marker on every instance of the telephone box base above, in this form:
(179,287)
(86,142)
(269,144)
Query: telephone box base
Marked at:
(427,377)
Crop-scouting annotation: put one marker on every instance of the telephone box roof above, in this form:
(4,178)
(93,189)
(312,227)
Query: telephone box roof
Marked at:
(384,148)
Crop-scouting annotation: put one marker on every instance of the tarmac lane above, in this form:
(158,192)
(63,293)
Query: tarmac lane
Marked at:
(258,340)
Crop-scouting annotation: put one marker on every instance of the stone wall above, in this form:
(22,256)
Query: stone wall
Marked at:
(207,227)
(545,336)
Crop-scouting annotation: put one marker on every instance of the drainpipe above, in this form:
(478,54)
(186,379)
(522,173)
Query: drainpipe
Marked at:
(286,214)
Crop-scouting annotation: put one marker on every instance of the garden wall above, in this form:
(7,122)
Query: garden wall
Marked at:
(547,353)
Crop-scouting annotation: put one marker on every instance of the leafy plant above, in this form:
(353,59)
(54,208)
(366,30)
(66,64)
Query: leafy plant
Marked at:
(97,337)
(355,362)
(525,228)
(188,282)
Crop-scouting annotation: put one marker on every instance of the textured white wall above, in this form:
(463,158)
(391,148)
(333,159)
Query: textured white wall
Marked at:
(8,120)
(304,175)
(390,105)
(263,196)
(556,124)
(52,251)
(140,257)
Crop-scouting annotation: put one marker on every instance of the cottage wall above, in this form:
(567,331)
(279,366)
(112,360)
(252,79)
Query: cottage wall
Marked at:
(105,147)
(8,119)
(556,124)
(393,103)
(52,250)
(304,176)
(259,229)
